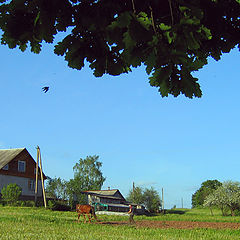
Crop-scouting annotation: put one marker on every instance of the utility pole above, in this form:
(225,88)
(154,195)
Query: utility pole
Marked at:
(39,161)
(162,202)
(36,182)
(133,191)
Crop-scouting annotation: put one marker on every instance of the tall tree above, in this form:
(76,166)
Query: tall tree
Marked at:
(151,200)
(206,188)
(172,38)
(87,176)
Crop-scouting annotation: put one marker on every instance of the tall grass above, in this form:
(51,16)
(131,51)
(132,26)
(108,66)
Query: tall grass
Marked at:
(38,223)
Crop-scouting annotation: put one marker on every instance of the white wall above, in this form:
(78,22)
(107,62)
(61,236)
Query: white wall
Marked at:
(21,182)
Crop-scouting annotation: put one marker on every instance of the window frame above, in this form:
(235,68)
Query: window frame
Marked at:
(31,185)
(19,164)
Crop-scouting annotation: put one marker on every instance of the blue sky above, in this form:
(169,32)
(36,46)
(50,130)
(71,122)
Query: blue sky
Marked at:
(170,143)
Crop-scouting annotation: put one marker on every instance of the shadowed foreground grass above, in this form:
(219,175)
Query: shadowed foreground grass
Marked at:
(37,223)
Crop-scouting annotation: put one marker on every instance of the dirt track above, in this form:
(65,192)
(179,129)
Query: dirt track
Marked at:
(178,224)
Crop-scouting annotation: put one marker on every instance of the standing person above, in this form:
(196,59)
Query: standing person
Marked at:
(131,214)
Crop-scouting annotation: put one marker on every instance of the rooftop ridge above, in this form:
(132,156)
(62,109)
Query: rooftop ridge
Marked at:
(10,149)
(100,190)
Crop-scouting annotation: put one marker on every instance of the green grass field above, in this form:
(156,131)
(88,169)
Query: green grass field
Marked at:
(38,223)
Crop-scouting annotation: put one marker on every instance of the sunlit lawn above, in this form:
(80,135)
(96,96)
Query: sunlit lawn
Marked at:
(38,223)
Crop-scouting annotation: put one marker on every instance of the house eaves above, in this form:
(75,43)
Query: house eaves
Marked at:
(7,155)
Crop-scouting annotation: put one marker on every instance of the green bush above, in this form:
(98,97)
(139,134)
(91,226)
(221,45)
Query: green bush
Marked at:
(51,204)
(11,193)
(237,212)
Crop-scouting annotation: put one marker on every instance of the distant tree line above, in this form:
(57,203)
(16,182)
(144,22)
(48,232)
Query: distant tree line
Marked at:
(212,194)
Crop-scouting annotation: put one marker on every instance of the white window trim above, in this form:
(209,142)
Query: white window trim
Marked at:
(24,162)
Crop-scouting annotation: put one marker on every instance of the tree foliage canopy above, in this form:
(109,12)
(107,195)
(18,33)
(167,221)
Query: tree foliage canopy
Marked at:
(148,197)
(151,200)
(87,176)
(172,38)
(136,195)
(206,188)
(226,196)
(56,188)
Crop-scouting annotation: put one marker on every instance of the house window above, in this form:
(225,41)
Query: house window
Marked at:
(5,167)
(21,166)
(31,185)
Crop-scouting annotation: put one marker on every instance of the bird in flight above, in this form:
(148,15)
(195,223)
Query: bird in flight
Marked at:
(45,89)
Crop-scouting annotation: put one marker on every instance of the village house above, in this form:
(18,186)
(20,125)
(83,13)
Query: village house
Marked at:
(110,200)
(18,166)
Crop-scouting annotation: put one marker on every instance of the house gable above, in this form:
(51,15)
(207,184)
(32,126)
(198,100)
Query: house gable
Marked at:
(19,163)
(20,169)
(118,194)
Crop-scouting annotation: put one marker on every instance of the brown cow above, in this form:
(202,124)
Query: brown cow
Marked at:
(85,209)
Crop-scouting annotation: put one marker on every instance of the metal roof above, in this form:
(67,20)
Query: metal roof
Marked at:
(7,155)
(103,192)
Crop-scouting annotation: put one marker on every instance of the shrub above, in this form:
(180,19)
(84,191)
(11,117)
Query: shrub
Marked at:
(11,193)
(237,212)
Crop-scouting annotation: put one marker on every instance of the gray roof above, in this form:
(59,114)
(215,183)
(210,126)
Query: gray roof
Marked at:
(7,155)
(103,192)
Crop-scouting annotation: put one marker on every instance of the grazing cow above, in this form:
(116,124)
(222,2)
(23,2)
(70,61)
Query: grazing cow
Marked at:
(85,209)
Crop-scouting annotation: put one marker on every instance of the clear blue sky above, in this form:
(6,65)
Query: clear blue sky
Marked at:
(170,143)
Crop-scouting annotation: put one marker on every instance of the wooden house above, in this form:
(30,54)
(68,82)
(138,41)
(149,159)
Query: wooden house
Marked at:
(111,200)
(18,166)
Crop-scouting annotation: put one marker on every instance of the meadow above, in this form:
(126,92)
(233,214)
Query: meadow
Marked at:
(38,223)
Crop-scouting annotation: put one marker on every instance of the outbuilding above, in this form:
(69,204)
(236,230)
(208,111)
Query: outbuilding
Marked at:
(111,200)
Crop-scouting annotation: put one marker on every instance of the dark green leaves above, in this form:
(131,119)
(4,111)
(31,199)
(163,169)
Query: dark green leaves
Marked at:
(160,78)
(122,21)
(113,38)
